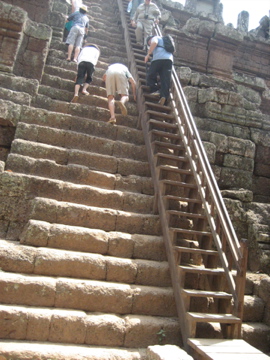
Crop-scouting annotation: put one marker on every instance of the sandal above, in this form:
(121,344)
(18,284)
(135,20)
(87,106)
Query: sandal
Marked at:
(85,92)
(112,121)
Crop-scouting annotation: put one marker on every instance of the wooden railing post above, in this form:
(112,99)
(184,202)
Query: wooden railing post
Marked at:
(241,282)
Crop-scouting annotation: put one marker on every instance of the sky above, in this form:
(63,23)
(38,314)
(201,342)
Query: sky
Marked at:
(231,8)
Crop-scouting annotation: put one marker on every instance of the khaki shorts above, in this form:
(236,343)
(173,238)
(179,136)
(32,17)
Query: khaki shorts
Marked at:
(116,83)
(75,36)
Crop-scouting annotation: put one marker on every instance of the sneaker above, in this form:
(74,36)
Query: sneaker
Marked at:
(162,101)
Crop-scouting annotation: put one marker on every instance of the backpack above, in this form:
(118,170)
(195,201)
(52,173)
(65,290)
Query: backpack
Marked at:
(168,43)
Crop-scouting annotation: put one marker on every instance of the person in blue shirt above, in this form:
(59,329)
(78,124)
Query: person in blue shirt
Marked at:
(80,24)
(161,65)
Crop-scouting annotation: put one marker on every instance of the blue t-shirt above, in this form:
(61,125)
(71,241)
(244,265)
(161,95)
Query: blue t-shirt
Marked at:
(159,52)
(79,19)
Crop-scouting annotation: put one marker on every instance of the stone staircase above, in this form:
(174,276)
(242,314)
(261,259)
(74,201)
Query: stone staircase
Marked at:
(89,277)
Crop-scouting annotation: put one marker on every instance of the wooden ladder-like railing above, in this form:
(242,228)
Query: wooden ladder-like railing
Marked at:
(207,262)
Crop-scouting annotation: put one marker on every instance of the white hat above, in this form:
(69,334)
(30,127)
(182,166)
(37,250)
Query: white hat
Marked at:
(84,7)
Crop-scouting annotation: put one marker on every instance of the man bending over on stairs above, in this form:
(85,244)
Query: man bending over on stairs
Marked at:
(117,79)
(161,65)
(146,15)
(87,60)
(80,23)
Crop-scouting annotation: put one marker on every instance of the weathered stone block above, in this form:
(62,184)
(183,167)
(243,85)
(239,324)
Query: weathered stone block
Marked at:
(257,335)
(67,327)
(210,151)
(253,309)
(105,330)
(220,141)
(241,147)
(238,162)
(242,195)
(264,289)
(260,137)
(13,323)
(235,178)
(9,113)
(16,289)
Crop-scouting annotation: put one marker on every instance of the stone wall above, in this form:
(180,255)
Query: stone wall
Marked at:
(26,29)
(225,74)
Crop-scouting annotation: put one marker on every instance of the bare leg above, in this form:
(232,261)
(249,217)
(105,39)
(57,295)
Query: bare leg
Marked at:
(111,105)
(77,88)
(76,94)
(85,87)
(123,100)
(76,53)
(70,49)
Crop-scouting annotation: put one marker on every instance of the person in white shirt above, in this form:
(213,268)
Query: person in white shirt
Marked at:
(76,4)
(87,61)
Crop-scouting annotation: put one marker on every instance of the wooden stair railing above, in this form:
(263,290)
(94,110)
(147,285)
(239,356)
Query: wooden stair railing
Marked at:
(207,262)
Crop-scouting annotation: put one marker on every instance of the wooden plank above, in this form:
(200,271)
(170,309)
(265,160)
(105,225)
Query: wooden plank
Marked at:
(224,349)
(205,293)
(221,318)
(237,357)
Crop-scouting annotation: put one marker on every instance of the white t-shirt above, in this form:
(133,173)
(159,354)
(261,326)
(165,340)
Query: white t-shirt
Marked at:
(76,4)
(90,54)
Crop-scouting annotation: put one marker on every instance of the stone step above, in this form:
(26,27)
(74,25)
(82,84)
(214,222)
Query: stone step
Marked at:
(107,219)
(81,110)
(71,66)
(85,125)
(78,141)
(59,326)
(89,195)
(56,78)
(75,238)
(78,265)
(107,26)
(93,161)
(18,85)
(62,73)
(101,35)
(16,97)
(97,97)
(78,174)
(32,350)
(86,295)
(106,55)
(257,335)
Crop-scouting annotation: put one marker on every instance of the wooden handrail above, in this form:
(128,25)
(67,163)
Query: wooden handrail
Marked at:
(215,210)
(213,202)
